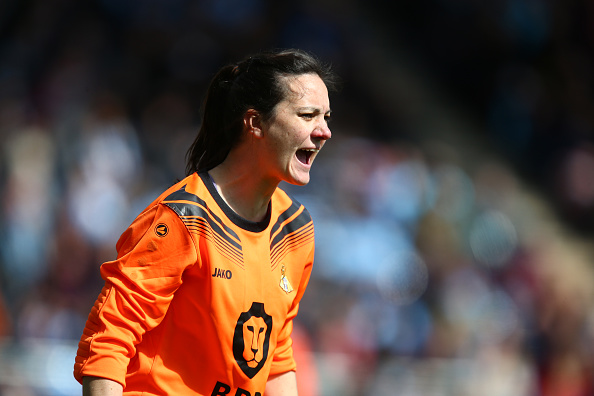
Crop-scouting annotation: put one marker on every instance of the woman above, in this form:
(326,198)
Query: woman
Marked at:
(208,278)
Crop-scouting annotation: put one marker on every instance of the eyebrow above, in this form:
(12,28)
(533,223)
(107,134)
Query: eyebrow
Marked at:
(313,109)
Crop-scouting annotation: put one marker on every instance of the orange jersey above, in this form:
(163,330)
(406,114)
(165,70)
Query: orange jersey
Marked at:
(199,300)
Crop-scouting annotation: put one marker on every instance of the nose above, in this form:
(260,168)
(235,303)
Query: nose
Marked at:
(322,131)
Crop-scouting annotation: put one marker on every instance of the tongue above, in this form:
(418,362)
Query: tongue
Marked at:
(302,156)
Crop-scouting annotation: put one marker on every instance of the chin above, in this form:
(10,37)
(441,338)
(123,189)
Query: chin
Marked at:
(299,181)
(296,174)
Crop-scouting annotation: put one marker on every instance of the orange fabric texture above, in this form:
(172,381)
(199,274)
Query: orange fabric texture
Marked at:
(199,300)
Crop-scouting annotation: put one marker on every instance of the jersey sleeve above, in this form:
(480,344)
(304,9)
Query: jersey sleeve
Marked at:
(283,360)
(153,253)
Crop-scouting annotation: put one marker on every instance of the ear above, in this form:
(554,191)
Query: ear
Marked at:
(252,123)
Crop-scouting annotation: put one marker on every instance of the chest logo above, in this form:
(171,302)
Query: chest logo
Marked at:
(284,282)
(251,339)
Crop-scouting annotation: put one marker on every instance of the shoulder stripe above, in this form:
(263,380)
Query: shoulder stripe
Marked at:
(289,221)
(293,229)
(200,220)
(284,216)
(290,243)
(201,227)
(183,195)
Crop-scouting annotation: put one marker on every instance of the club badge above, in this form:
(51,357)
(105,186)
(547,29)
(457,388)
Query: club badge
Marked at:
(284,282)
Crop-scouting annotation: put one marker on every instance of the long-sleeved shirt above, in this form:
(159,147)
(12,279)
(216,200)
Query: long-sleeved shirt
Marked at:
(200,301)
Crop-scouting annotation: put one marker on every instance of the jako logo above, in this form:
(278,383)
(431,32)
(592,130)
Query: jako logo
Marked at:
(251,339)
(161,230)
(219,273)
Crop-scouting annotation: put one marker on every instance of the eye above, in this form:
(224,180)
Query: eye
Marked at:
(307,116)
(328,118)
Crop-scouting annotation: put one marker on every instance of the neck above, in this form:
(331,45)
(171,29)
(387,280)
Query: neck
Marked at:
(243,188)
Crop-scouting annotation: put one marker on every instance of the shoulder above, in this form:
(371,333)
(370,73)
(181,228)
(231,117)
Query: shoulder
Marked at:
(190,185)
(168,193)
(186,197)
(164,206)
(290,218)
(286,206)
(196,207)
(292,230)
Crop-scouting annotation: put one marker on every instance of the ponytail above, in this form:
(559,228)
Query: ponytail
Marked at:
(210,149)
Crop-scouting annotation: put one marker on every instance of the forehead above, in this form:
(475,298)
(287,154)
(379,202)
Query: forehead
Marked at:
(306,89)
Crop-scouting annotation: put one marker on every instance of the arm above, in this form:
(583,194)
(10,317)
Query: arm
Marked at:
(95,386)
(139,285)
(282,385)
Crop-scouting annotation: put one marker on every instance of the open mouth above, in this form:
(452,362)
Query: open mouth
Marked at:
(305,156)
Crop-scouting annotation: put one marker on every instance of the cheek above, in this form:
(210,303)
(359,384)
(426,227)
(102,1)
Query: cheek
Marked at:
(299,137)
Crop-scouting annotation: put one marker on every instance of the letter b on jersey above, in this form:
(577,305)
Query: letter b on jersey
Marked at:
(222,389)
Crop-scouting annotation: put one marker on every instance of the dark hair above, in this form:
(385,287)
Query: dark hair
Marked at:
(254,83)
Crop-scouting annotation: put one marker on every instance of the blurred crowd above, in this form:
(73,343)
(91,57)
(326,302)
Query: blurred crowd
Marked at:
(441,268)
(524,70)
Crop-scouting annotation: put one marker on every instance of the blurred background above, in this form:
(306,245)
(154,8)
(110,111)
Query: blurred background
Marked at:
(454,205)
